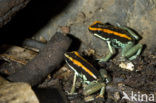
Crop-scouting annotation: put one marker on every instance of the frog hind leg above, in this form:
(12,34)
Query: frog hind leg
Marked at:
(102,91)
(131,51)
(93,87)
(124,51)
(111,53)
(134,50)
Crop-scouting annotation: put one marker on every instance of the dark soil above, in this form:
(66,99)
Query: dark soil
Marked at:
(143,78)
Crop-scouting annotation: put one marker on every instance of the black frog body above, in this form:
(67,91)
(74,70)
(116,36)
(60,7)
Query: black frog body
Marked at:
(108,32)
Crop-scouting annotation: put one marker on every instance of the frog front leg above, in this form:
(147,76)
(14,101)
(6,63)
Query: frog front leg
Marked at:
(84,81)
(131,51)
(111,53)
(73,85)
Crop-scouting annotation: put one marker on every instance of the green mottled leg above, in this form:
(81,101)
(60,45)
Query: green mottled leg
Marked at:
(134,50)
(102,91)
(125,50)
(93,87)
(73,86)
(131,52)
(85,81)
(129,30)
(105,76)
(111,53)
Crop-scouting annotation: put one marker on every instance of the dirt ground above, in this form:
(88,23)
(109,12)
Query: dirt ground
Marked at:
(141,80)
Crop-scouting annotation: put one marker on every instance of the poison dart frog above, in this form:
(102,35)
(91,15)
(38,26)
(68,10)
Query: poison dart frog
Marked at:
(89,75)
(117,37)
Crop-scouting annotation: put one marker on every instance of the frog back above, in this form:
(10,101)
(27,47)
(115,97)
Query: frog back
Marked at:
(111,33)
(81,66)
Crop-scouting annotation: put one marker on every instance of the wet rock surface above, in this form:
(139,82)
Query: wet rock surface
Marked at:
(138,15)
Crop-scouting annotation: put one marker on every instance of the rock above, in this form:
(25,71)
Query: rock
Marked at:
(16,92)
(3,81)
(138,15)
(8,9)
(127,66)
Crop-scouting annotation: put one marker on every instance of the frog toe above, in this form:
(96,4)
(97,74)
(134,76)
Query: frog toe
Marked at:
(100,98)
(122,59)
(101,60)
(72,96)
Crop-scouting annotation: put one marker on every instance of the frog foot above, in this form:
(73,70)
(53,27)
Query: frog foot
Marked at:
(71,96)
(89,98)
(122,59)
(100,98)
(101,60)
(72,93)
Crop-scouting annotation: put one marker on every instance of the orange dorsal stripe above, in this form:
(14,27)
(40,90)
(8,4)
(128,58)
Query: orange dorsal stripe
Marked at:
(110,32)
(76,62)
(77,54)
